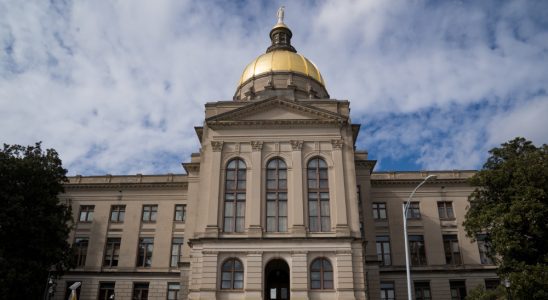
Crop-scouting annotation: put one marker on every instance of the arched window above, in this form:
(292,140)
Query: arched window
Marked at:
(276,196)
(234,210)
(321,274)
(318,196)
(232,274)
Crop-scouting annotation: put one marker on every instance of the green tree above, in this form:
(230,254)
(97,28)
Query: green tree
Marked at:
(480,293)
(510,205)
(34,225)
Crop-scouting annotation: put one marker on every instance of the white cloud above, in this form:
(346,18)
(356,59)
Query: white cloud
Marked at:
(118,86)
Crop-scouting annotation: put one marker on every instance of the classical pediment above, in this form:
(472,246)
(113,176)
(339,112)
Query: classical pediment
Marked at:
(276,111)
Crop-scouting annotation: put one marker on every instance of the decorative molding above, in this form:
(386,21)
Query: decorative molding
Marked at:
(237,117)
(296,145)
(217,146)
(117,186)
(210,252)
(337,144)
(257,145)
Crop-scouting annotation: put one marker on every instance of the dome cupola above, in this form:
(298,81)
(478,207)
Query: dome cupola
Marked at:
(281,71)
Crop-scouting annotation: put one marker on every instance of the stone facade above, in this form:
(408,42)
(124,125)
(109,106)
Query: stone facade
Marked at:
(329,210)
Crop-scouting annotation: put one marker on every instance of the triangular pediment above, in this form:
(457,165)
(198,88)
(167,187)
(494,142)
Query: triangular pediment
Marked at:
(276,111)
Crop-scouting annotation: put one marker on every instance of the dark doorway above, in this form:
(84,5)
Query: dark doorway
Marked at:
(277,280)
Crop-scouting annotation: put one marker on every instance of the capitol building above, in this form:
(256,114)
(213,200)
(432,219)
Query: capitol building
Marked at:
(277,203)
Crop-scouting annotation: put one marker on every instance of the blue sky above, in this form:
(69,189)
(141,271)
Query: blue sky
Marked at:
(117,86)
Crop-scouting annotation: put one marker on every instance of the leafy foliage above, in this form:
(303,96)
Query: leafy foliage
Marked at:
(480,293)
(34,225)
(510,204)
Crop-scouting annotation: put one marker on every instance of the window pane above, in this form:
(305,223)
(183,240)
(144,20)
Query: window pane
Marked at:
(229,209)
(270,208)
(239,276)
(271,224)
(324,208)
(312,208)
(282,209)
(238,284)
(229,224)
(240,209)
(240,224)
(315,275)
(326,224)
(313,222)
(282,223)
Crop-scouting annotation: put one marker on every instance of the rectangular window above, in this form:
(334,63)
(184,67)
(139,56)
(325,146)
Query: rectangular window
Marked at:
(173,289)
(117,213)
(383,250)
(417,250)
(413,211)
(144,257)
(445,210)
(81,245)
(379,210)
(176,251)
(483,247)
(492,283)
(458,289)
(112,252)
(387,291)
(140,291)
(451,248)
(106,290)
(86,213)
(150,213)
(422,290)
(180,212)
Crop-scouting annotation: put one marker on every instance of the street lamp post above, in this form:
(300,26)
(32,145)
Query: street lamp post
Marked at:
(405,209)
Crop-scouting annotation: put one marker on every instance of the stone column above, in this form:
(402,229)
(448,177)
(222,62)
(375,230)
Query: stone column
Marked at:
(253,198)
(296,199)
(254,275)
(340,203)
(212,228)
(299,275)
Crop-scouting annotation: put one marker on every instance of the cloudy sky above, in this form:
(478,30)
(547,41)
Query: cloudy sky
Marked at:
(117,86)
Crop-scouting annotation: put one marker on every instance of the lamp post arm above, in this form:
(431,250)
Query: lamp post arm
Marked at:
(405,208)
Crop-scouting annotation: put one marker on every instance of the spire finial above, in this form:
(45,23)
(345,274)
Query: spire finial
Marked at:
(280,14)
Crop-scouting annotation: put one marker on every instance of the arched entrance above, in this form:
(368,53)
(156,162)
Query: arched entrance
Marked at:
(276,276)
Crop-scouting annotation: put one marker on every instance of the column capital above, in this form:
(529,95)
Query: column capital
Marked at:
(337,144)
(217,146)
(296,145)
(257,145)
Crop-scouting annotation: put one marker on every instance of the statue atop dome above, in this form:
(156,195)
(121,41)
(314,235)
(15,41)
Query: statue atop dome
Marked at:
(280,14)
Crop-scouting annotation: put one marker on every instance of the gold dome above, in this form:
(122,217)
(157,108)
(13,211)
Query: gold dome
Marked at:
(281,61)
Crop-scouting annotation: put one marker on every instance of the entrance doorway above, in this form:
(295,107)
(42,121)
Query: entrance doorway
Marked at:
(277,280)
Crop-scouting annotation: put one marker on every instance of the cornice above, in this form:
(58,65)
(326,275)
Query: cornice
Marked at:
(235,117)
(416,181)
(366,164)
(125,185)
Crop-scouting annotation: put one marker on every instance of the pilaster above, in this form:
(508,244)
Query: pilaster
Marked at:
(340,203)
(296,197)
(212,229)
(253,199)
